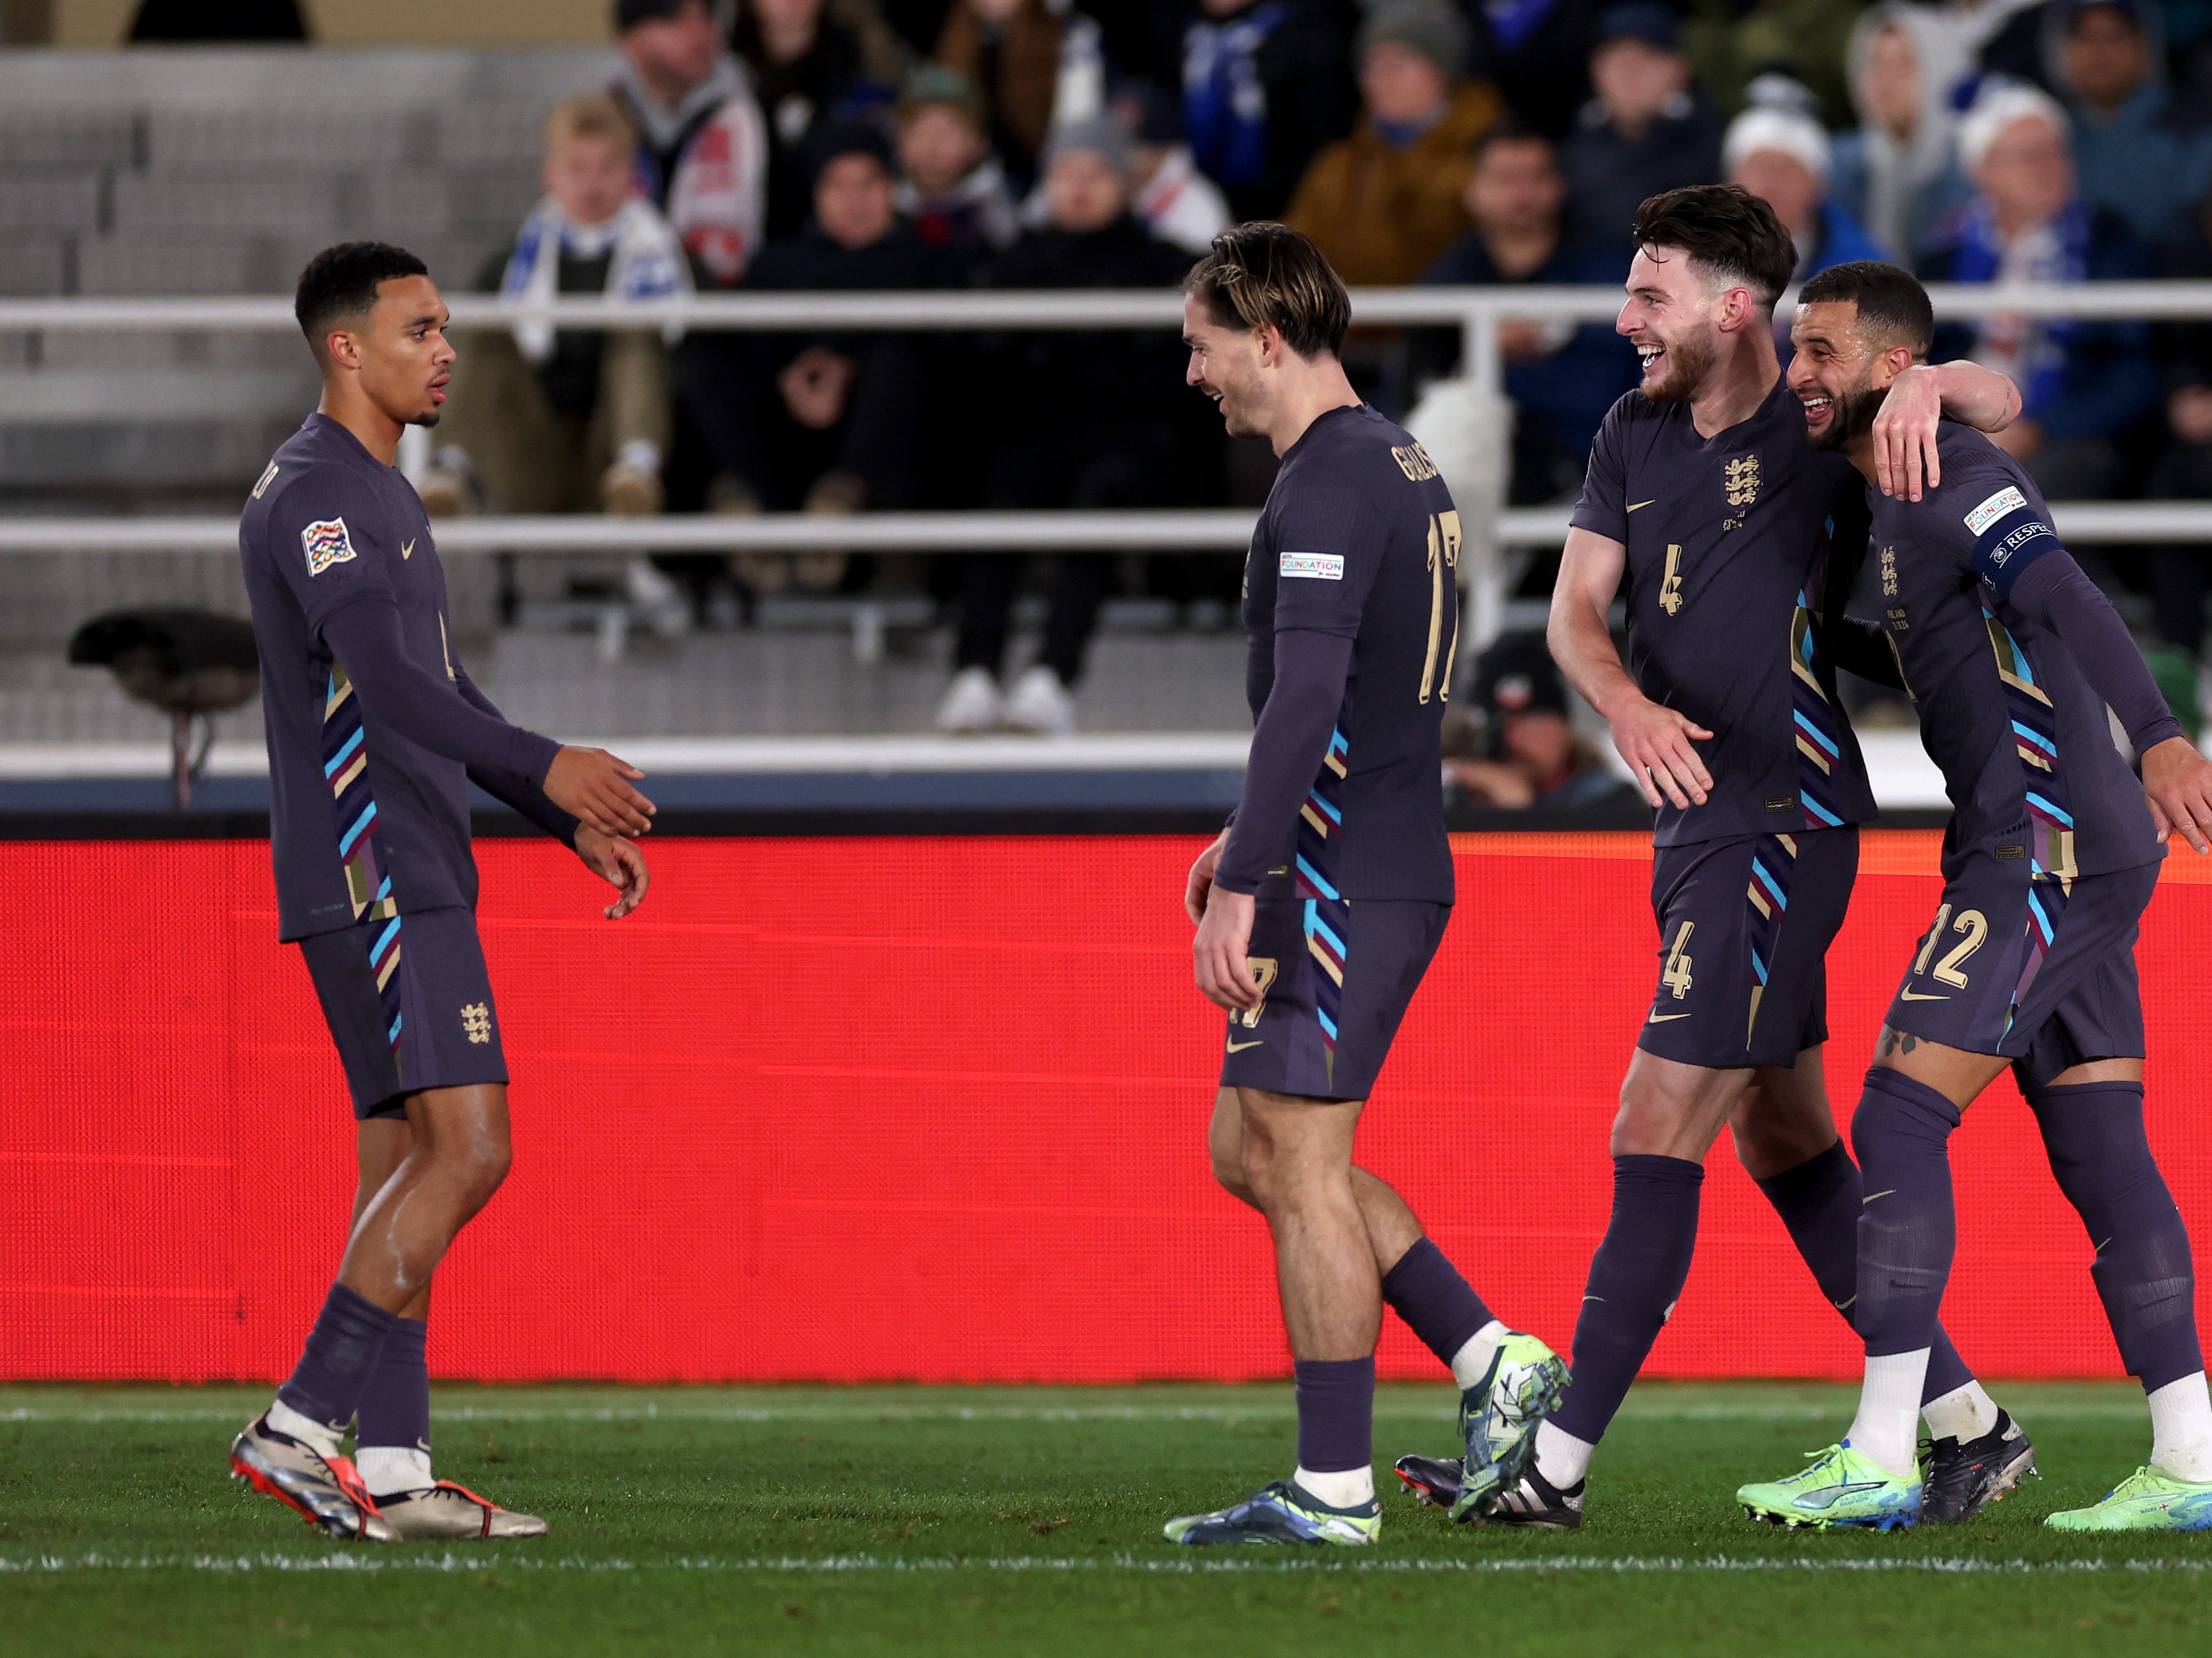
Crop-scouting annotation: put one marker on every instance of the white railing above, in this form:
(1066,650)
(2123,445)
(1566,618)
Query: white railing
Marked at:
(1476,312)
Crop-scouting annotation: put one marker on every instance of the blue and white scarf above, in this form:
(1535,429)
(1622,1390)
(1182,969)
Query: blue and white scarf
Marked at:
(1224,107)
(2032,349)
(649,261)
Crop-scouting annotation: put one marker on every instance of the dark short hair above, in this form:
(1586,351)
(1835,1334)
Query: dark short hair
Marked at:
(1507,131)
(341,281)
(1265,275)
(1727,231)
(1893,308)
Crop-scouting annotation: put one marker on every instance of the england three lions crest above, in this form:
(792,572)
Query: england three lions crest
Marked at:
(1739,478)
(326,544)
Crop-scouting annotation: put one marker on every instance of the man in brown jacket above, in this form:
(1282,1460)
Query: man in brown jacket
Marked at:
(1383,203)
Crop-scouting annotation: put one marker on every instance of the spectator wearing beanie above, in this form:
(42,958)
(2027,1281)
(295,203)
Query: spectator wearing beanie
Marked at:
(1646,131)
(1266,84)
(1036,63)
(1523,750)
(701,149)
(1781,155)
(952,188)
(821,420)
(1383,203)
(2083,385)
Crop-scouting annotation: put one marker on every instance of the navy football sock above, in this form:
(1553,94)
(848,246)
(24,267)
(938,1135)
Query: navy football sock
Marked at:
(2093,1133)
(395,1406)
(341,1351)
(1819,1202)
(1635,1278)
(1908,1230)
(1336,1414)
(1438,1305)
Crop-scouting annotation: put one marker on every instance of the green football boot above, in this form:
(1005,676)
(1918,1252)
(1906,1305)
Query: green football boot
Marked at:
(1499,1415)
(1285,1512)
(1839,1487)
(2146,1500)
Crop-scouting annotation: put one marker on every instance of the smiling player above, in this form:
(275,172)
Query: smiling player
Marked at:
(1705,493)
(1319,909)
(374,735)
(2012,656)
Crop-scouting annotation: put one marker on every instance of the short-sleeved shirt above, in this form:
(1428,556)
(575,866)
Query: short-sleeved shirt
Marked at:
(2025,744)
(352,807)
(1360,538)
(1739,546)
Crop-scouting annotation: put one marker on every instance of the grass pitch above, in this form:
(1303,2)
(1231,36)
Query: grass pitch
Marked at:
(1026,1520)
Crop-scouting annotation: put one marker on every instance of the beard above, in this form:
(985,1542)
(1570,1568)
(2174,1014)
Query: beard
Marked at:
(1852,417)
(1688,361)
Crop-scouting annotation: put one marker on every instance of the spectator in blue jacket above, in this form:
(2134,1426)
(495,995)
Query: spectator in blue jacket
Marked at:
(2134,151)
(1782,156)
(1562,378)
(2083,385)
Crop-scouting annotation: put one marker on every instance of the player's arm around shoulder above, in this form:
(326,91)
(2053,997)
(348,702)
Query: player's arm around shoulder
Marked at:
(1908,426)
(1655,741)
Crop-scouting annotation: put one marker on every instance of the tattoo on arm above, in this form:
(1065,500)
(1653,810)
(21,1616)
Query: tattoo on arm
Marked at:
(1896,1042)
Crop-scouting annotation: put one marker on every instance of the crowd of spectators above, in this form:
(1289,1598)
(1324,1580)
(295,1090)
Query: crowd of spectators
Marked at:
(820,145)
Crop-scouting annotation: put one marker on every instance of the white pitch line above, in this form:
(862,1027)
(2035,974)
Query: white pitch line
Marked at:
(2128,1410)
(451,1562)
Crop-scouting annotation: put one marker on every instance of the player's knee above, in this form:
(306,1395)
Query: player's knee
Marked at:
(1229,1171)
(476,1160)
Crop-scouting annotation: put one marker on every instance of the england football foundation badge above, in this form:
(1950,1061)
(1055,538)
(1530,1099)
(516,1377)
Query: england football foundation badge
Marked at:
(327,543)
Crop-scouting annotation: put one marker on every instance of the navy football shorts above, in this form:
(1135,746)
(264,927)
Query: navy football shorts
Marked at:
(1744,928)
(2028,972)
(410,1006)
(1336,974)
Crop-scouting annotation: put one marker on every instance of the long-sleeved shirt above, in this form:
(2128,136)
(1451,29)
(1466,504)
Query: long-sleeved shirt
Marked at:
(2011,655)
(374,735)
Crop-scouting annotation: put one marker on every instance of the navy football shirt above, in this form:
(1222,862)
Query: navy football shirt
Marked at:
(2006,710)
(1729,582)
(1359,540)
(364,818)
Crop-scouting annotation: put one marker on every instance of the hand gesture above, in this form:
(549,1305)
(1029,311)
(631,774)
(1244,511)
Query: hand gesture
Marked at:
(1225,937)
(1655,742)
(617,862)
(594,787)
(1201,879)
(2178,780)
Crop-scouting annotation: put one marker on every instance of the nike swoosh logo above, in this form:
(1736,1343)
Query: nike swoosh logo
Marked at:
(1863,1203)
(1238,1047)
(1662,1018)
(1918,996)
(1835,1494)
(1638,505)
(408,551)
